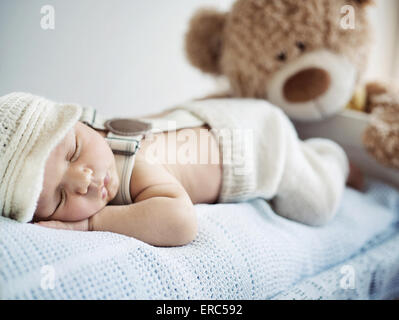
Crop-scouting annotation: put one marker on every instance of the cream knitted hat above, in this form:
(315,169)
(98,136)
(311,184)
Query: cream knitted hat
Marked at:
(30,127)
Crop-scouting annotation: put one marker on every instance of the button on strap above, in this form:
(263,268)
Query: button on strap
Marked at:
(127,127)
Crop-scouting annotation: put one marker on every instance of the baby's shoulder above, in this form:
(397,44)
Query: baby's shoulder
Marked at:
(148,173)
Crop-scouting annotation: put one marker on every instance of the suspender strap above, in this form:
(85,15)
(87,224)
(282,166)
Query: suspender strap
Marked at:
(126,146)
(92,118)
(124,134)
(125,142)
(174,120)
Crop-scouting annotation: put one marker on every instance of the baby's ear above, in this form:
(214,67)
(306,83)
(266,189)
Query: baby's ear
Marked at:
(204,40)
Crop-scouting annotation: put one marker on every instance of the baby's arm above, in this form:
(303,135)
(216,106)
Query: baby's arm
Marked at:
(162,213)
(161,216)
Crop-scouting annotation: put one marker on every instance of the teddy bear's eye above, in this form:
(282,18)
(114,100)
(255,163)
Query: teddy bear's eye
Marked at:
(301,46)
(282,56)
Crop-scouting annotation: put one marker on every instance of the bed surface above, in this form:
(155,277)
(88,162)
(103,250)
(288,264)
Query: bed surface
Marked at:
(243,251)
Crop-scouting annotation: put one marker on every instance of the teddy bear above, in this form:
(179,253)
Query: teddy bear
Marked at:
(302,56)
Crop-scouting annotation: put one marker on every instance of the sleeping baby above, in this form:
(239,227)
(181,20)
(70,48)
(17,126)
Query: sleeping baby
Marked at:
(68,167)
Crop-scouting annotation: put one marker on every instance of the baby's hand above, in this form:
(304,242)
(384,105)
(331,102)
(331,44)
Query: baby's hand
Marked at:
(77,226)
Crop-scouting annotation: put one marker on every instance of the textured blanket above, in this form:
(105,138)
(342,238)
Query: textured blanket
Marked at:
(371,275)
(243,251)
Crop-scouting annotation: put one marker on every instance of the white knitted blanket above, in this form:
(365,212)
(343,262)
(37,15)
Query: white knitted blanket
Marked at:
(371,275)
(243,251)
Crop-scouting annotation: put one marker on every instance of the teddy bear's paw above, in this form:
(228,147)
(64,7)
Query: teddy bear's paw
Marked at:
(381,138)
(381,95)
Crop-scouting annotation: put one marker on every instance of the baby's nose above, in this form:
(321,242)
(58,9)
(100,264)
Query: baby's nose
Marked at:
(82,179)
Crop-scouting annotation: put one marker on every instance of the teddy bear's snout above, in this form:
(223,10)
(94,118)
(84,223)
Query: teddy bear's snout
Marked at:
(314,86)
(306,85)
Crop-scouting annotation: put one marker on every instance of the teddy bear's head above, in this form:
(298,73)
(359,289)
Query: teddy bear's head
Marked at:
(306,57)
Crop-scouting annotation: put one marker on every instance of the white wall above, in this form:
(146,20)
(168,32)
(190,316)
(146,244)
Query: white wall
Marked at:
(385,20)
(125,57)
(121,56)
(396,62)
(396,66)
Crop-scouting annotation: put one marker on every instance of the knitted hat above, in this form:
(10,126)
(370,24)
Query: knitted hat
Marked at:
(30,128)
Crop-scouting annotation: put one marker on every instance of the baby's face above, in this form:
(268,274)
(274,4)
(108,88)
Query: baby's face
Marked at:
(80,177)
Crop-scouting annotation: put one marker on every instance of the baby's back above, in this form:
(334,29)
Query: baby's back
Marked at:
(191,156)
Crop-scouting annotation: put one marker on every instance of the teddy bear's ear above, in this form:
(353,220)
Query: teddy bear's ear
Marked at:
(204,40)
(363,3)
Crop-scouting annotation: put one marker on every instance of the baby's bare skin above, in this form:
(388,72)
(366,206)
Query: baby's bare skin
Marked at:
(163,191)
(201,178)
(200,175)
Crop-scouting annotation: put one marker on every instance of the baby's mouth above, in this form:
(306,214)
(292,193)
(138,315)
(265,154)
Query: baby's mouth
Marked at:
(106,179)
(104,191)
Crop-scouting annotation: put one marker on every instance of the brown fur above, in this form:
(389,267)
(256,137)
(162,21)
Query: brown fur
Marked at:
(204,40)
(382,136)
(256,38)
(245,46)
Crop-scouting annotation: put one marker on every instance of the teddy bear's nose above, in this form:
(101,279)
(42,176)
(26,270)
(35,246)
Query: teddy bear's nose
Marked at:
(306,85)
